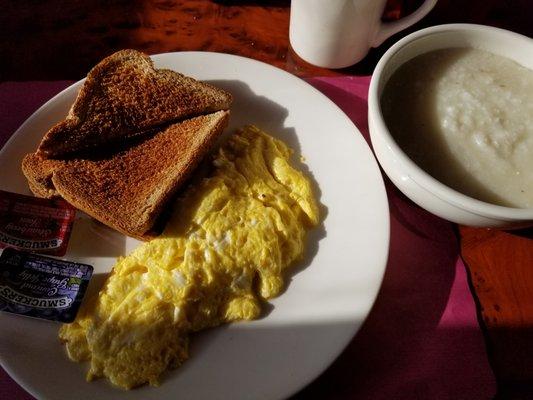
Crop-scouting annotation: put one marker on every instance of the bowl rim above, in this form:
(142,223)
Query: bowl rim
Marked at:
(417,174)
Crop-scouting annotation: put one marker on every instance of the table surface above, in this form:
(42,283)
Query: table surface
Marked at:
(498,263)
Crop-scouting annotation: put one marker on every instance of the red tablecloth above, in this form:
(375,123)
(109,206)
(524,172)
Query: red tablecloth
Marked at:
(421,340)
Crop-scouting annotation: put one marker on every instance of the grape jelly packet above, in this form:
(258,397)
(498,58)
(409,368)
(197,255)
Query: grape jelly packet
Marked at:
(34,224)
(41,287)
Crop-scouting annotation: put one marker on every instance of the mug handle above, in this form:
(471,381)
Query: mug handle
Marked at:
(388,29)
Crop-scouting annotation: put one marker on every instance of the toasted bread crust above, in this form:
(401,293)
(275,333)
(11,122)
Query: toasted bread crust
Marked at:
(130,140)
(128,190)
(38,171)
(123,97)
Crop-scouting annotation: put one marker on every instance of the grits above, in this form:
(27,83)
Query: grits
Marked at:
(466,117)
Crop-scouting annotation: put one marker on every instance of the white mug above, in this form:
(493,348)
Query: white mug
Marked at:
(339,33)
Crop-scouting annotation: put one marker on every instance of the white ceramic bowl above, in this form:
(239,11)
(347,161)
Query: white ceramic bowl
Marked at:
(414,182)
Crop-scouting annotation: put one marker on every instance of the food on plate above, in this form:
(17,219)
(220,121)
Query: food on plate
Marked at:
(124,96)
(38,171)
(128,188)
(224,251)
(130,141)
(466,117)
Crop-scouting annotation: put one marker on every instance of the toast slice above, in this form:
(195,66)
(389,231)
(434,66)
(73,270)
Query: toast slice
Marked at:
(124,96)
(128,189)
(38,171)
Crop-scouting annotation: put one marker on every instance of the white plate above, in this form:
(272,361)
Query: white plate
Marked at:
(328,297)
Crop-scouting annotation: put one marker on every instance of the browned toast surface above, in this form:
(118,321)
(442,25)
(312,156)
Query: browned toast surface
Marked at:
(38,170)
(125,96)
(128,190)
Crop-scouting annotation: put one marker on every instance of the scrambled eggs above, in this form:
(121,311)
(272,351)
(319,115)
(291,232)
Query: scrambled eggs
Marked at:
(223,252)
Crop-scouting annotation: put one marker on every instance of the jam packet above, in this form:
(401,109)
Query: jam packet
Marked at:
(41,287)
(34,224)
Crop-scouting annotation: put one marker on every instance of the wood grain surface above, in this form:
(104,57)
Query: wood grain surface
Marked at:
(62,39)
(501,272)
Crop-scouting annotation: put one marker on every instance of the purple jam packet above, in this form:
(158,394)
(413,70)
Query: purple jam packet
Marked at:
(41,287)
